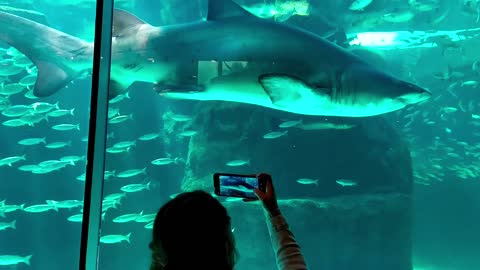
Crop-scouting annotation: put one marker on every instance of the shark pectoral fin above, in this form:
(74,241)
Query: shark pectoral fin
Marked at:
(284,90)
(124,20)
(51,78)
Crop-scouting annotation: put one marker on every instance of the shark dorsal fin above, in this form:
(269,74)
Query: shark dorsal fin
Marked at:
(124,20)
(222,9)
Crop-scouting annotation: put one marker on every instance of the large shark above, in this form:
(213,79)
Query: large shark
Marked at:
(231,56)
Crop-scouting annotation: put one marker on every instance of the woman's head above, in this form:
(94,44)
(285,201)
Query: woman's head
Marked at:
(192,231)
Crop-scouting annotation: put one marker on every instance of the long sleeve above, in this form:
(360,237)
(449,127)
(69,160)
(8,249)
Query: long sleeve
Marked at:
(287,251)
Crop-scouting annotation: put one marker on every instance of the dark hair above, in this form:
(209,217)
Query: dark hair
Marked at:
(192,231)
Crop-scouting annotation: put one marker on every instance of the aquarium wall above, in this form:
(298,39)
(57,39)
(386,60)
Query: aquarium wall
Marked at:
(365,113)
(44,143)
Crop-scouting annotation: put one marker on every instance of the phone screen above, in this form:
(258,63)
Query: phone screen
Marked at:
(237,186)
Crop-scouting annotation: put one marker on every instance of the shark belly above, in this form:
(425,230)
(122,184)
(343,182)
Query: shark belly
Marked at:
(243,88)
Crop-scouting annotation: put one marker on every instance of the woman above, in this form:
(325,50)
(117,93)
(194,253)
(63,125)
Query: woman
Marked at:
(193,231)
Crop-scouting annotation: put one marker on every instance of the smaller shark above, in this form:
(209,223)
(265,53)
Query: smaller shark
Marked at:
(231,56)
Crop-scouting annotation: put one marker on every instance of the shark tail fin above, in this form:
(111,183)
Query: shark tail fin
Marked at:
(52,51)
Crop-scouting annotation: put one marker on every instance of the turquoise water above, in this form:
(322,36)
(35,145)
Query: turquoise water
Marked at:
(397,190)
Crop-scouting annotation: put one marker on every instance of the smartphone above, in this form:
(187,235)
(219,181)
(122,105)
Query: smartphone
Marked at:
(237,185)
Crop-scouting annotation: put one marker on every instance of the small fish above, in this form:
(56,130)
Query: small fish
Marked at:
(44,107)
(75,218)
(58,113)
(47,163)
(56,145)
(14,259)
(10,207)
(114,196)
(132,172)
(136,187)
(127,217)
(15,123)
(346,182)
(32,141)
(16,110)
(307,181)
(6,225)
(470,83)
(120,119)
(149,226)
(476,116)
(108,174)
(115,238)
(275,134)
(41,171)
(289,124)
(11,89)
(238,162)
(28,168)
(438,167)
(33,118)
(423,7)
(65,127)
(180,117)
(119,98)
(149,136)
(10,160)
(125,144)
(72,159)
(146,218)
(40,208)
(115,150)
(188,133)
(68,204)
(449,109)
(165,161)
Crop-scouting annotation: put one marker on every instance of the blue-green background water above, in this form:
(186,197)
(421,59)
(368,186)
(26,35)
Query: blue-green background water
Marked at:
(446,203)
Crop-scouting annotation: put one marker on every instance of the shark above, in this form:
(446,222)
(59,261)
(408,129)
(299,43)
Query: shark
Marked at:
(231,55)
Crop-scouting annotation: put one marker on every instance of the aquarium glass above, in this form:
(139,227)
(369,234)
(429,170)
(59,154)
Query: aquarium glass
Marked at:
(44,139)
(365,112)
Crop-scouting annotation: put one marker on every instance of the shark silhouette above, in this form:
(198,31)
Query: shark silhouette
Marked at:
(231,56)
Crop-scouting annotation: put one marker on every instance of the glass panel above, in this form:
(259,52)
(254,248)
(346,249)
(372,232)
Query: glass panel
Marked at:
(367,121)
(44,104)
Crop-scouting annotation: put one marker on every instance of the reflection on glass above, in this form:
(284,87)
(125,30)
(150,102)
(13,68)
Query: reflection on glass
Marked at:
(42,157)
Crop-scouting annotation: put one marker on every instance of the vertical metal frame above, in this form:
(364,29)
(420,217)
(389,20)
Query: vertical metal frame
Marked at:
(92,207)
